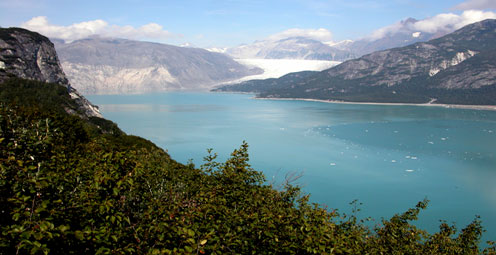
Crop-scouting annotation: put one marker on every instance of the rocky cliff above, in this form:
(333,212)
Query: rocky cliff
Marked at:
(117,66)
(459,68)
(29,55)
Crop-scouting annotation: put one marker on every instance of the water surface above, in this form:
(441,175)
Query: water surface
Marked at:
(387,157)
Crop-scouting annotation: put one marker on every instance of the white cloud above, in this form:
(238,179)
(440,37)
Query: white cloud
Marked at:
(441,23)
(151,31)
(320,34)
(476,4)
(384,31)
(449,22)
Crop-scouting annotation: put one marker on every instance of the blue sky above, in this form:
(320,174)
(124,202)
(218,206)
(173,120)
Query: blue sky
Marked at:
(223,23)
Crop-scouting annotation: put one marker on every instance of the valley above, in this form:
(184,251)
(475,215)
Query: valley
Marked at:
(357,131)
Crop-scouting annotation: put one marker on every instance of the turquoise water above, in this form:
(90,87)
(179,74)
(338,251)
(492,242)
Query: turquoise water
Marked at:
(387,157)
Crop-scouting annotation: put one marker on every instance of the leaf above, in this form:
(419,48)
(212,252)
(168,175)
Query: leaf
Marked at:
(63,228)
(79,235)
(203,242)
(188,249)
(190,232)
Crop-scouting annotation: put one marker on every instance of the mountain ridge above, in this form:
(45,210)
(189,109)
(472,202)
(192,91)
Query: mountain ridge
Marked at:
(296,47)
(304,47)
(111,66)
(458,68)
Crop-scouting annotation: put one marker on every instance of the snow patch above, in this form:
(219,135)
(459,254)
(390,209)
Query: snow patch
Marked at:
(339,45)
(217,50)
(275,68)
(416,34)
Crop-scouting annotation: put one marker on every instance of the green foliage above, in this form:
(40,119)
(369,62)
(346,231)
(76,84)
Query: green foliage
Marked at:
(30,93)
(66,188)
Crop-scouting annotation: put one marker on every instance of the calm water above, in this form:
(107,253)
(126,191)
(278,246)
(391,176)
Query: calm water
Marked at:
(387,157)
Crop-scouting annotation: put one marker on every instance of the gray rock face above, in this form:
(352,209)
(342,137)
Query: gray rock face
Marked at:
(116,66)
(432,60)
(392,67)
(29,55)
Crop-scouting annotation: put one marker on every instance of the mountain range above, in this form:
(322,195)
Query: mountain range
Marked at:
(458,68)
(117,66)
(300,47)
(290,48)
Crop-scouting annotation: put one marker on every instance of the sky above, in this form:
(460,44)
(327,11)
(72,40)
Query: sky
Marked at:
(229,23)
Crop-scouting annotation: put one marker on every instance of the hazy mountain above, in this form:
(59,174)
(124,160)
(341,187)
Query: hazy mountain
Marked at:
(289,48)
(458,68)
(110,66)
(396,35)
(341,45)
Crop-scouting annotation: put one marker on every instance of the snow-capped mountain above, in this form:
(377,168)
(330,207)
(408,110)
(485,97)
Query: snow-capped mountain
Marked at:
(342,45)
(399,34)
(300,47)
(289,48)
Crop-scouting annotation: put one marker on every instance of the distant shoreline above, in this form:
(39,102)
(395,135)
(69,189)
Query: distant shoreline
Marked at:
(455,106)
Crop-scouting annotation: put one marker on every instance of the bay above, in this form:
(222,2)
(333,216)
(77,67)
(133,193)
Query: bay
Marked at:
(387,157)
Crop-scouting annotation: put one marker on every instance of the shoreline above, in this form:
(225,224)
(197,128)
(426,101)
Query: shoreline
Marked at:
(454,106)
